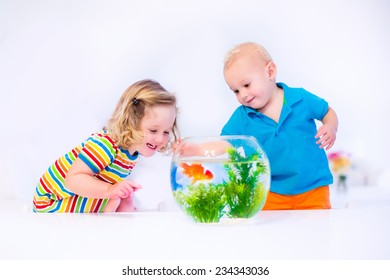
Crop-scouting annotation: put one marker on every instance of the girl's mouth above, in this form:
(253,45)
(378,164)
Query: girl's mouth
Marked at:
(153,147)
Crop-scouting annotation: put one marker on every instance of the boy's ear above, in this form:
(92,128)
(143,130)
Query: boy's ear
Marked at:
(271,70)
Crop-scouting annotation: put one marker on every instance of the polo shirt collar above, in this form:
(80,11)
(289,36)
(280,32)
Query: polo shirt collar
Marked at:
(290,98)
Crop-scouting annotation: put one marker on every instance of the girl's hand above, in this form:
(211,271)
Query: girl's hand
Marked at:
(177,146)
(123,189)
(326,136)
(186,149)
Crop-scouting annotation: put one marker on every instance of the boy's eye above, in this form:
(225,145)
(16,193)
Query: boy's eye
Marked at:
(236,91)
(246,85)
(153,130)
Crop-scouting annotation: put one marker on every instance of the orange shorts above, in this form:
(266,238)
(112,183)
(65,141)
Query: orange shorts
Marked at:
(318,198)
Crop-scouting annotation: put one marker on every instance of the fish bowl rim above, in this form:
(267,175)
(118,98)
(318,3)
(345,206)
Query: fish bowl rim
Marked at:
(218,137)
(211,138)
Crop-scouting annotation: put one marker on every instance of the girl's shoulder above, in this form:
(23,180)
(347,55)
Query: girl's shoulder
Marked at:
(103,138)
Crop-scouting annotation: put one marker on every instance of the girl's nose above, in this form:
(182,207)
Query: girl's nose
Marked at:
(159,138)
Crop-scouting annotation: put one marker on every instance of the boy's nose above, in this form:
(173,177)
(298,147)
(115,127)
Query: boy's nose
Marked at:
(243,94)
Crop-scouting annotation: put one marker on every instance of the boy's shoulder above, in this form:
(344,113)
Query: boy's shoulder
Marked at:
(292,90)
(294,94)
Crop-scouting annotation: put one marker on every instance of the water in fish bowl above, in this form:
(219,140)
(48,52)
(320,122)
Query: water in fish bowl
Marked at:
(232,183)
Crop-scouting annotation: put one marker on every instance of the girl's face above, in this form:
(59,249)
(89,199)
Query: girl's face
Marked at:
(156,126)
(251,79)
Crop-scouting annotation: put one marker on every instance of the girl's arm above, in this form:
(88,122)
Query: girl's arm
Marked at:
(326,134)
(80,180)
(209,149)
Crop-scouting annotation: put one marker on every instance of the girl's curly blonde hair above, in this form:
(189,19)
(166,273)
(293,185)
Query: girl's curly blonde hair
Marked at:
(124,125)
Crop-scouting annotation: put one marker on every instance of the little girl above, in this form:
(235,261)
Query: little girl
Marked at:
(91,177)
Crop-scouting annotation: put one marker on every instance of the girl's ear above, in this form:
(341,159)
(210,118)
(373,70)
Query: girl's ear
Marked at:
(271,70)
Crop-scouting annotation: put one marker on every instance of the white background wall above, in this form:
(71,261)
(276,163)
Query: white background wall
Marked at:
(64,65)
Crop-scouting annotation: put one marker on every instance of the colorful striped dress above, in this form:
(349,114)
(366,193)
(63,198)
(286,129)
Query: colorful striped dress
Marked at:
(109,163)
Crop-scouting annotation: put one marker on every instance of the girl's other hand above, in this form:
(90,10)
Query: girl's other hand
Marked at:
(123,189)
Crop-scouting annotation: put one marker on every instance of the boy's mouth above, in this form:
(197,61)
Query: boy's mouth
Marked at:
(250,100)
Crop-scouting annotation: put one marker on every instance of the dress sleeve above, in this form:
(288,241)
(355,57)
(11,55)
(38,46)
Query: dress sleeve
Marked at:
(98,152)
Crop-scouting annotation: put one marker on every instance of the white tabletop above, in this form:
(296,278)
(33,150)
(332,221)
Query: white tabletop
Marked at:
(360,233)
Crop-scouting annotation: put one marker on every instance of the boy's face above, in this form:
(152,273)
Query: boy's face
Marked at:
(156,126)
(251,79)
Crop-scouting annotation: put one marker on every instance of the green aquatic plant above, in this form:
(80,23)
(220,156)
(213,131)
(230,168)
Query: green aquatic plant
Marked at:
(205,203)
(245,195)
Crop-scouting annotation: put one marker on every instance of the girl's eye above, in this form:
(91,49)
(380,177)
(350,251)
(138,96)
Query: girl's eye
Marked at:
(153,130)
(166,132)
(246,85)
(236,91)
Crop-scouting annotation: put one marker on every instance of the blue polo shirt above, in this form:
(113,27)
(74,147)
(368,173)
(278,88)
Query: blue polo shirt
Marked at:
(296,161)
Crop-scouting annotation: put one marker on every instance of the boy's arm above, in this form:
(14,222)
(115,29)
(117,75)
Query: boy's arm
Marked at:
(326,134)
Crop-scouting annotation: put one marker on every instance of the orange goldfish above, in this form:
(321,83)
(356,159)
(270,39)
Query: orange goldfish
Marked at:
(196,172)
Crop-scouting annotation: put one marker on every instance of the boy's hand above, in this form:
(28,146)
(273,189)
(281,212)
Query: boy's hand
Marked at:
(123,189)
(326,137)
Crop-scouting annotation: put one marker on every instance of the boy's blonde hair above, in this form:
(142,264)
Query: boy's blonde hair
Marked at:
(245,48)
(124,125)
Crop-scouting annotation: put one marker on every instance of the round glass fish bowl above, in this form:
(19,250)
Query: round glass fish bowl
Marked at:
(220,179)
